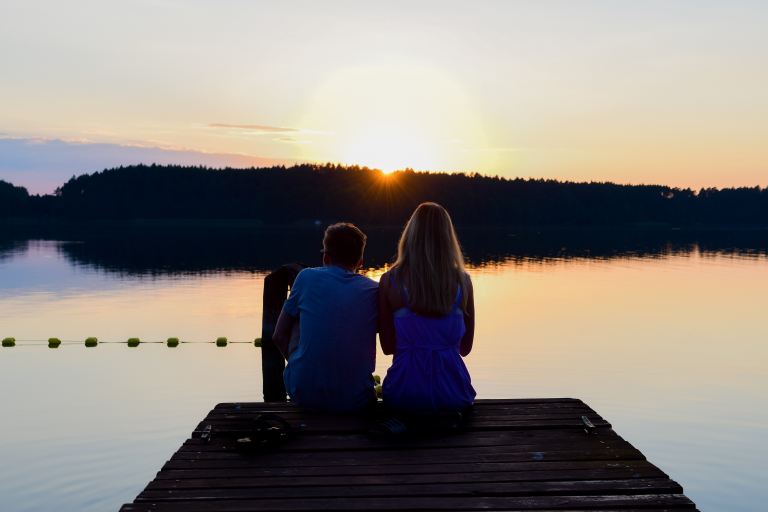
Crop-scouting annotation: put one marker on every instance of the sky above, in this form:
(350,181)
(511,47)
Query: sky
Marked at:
(668,92)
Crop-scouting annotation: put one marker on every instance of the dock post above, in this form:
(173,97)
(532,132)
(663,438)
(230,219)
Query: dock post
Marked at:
(276,286)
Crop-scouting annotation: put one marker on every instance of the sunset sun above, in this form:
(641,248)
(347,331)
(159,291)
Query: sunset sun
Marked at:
(389,148)
(394,117)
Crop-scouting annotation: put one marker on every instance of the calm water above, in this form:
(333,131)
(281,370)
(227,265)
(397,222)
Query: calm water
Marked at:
(664,334)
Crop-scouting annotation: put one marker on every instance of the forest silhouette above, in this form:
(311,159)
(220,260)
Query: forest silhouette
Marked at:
(310,194)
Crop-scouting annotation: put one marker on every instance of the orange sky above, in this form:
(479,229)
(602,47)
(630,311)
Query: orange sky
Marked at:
(672,93)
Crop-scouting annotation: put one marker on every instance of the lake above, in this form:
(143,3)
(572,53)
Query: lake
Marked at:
(664,333)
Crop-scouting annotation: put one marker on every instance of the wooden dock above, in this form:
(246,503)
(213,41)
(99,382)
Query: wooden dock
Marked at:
(524,454)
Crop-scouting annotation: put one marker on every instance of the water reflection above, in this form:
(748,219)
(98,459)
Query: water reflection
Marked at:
(199,249)
(662,332)
(11,247)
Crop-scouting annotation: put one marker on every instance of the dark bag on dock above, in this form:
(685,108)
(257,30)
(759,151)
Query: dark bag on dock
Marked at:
(264,432)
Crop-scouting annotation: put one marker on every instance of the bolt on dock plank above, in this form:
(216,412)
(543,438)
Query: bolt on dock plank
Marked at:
(517,454)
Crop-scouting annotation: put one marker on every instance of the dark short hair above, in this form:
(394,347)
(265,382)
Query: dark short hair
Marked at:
(344,243)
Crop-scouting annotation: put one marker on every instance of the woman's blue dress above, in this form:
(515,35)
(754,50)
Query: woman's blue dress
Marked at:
(428,373)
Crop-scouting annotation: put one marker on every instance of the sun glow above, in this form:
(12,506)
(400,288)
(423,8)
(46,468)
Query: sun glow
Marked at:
(389,149)
(394,117)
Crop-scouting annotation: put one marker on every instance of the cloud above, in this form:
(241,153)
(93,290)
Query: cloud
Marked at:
(291,140)
(263,129)
(259,128)
(41,165)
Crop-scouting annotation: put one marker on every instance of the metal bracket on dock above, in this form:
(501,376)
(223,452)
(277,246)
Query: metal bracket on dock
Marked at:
(205,435)
(589,427)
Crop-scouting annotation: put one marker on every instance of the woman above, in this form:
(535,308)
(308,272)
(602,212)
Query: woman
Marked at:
(427,315)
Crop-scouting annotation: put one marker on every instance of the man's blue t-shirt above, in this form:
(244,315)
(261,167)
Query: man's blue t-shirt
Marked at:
(331,367)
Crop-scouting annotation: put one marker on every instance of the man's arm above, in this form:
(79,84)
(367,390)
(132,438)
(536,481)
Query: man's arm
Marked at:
(386,317)
(289,317)
(281,336)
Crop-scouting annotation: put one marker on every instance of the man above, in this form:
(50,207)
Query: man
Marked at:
(335,311)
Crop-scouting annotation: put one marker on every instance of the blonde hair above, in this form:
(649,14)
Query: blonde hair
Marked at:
(430,263)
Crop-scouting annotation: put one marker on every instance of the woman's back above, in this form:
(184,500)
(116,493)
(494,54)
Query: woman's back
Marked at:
(427,317)
(427,373)
(417,331)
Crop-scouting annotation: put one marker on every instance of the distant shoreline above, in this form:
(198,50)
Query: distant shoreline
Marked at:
(317,195)
(255,224)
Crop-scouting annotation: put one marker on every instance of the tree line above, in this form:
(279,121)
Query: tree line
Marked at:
(310,194)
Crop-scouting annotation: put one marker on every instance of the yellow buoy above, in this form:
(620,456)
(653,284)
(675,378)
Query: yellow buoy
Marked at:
(221,341)
(257,342)
(54,342)
(173,342)
(91,342)
(9,342)
(133,342)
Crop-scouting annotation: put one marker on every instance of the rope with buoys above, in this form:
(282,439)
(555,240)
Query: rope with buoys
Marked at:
(93,341)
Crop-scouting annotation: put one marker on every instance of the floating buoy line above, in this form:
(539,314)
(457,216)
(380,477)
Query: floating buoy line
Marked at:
(93,341)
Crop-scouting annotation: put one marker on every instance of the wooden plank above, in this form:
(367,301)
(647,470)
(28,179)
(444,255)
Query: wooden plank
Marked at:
(370,468)
(558,487)
(226,481)
(480,403)
(528,414)
(356,425)
(283,460)
(547,450)
(479,412)
(478,409)
(350,443)
(435,438)
(172,507)
(227,441)
(421,503)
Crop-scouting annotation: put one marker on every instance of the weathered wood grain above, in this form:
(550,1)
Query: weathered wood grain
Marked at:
(514,454)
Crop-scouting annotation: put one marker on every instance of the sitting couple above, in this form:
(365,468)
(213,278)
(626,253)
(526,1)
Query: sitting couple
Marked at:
(422,308)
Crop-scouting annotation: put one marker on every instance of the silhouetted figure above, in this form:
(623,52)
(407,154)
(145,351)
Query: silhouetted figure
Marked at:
(427,318)
(327,328)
